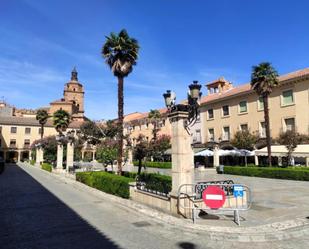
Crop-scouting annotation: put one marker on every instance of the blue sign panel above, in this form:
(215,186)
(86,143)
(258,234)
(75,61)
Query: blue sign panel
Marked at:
(238,191)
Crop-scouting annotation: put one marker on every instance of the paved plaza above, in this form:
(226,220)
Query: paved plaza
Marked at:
(40,210)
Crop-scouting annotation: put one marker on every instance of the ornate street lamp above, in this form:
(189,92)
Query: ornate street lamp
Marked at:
(194,95)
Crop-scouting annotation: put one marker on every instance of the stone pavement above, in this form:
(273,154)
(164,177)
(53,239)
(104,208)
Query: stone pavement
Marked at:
(42,210)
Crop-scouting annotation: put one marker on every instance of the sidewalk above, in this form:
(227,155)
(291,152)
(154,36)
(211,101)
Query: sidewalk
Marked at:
(285,229)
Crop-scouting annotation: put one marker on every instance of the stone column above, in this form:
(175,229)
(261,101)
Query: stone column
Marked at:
(41,155)
(216,156)
(182,161)
(59,157)
(256,160)
(70,155)
(37,156)
(182,153)
(130,156)
(83,155)
(18,156)
(307,161)
(93,156)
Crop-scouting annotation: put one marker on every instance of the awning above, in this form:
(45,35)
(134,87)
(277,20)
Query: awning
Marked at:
(204,153)
(302,150)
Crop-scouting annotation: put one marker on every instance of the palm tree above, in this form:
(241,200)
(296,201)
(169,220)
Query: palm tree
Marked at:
(42,117)
(61,120)
(154,116)
(120,52)
(263,79)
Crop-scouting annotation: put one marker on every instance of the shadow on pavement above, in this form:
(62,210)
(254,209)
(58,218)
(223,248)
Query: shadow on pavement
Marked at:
(186,245)
(33,218)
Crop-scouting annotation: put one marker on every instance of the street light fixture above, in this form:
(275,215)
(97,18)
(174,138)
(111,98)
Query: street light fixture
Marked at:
(194,95)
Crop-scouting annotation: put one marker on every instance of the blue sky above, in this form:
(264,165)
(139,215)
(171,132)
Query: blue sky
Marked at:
(180,40)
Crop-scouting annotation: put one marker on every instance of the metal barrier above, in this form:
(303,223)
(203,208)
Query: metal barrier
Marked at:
(236,197)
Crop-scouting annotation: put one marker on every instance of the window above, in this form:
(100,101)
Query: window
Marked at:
(289,124)
(210,113)
(211,134)
(262,129)
(260,104)
(243,106)
(13,129)
(27,143)
(226,133)
(197,137)
(40,131)
(27,130)
(287,97)
(0,129)
(13,143)
(225,110)
(244,127)
(163,122)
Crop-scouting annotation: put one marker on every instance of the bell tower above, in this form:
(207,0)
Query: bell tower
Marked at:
(74,93)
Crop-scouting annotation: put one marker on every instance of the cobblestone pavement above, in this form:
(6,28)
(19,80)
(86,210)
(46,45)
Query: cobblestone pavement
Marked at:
(40,210)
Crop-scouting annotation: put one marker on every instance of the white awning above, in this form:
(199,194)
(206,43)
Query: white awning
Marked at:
(204,153)
(302,150)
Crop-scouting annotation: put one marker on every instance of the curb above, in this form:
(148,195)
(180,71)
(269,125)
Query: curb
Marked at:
(264,233)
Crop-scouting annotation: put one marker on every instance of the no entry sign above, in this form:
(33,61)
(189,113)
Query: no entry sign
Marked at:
(214,197)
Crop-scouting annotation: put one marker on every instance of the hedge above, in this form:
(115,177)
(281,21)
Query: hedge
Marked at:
(156,182)
(32,162)
(106,182)
(271,172)
(47,167)
(160,165)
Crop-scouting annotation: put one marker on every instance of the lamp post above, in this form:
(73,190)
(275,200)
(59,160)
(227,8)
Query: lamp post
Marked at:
(182,117)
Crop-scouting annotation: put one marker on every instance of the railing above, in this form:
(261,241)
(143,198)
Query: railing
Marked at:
(141,186)
(237,197)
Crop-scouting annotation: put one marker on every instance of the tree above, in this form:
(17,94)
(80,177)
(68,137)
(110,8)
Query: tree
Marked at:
(158,147)
(61,120)
(90,132)
(120,52)
(263,79)
(42,117)
(107,152)
(49,144)
(110,129)
(140,151)
(154,116)
(290,139)
(244,140)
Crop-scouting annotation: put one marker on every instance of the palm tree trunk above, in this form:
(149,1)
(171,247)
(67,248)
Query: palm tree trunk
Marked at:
(267,128)
(42,131)
(120,124)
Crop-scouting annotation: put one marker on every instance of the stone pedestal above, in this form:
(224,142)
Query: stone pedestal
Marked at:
(41,155)
(59,157)
(307,161)
(182,153)
(216,156)
(70,156)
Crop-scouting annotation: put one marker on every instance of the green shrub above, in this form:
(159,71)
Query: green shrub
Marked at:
(272,172)
(156,182)
(32,162)
(161,165)
(47,167)
(106,182)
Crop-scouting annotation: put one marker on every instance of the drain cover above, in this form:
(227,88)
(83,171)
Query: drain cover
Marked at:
(141,224)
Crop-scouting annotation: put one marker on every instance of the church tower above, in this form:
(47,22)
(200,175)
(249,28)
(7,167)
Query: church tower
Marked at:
(74,93)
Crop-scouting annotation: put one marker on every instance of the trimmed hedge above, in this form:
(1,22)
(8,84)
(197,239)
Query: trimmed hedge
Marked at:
(32,162)
(47,167)
(156,182)
(160,165)
(272,172)
(106,182)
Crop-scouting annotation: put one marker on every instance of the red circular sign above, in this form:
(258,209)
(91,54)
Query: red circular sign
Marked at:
(214,197)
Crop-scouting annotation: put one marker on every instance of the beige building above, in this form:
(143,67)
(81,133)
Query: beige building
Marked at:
(227,109)
(19,127)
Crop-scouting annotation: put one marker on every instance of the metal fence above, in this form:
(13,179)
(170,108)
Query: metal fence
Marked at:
(190,201)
